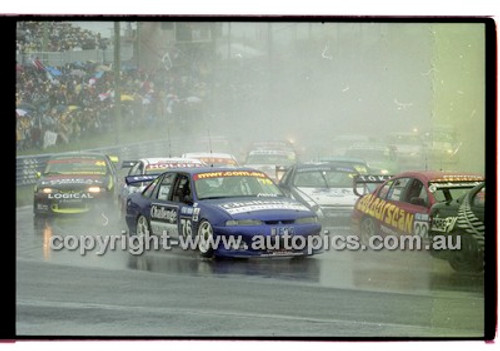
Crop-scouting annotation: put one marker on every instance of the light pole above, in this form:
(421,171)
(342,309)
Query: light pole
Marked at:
(116,71)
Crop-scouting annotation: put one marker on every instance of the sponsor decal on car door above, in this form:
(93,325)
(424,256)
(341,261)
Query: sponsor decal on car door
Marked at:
(394,212)
(164,219)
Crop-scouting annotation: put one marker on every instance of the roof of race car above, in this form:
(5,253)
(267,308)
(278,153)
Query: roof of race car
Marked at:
(161,160)
(342,159)
(325,166)
(207,155)
(231,170)
(441,176)
(76,154)
(271,152)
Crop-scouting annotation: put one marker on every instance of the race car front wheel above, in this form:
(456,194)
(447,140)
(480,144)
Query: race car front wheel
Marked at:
(367,229)
(142,227)
(205,239)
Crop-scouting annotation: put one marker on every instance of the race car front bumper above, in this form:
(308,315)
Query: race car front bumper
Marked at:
(268,244)
(64,203)
(336,215)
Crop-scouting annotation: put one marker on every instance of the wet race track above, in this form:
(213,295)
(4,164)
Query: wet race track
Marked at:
(176,293)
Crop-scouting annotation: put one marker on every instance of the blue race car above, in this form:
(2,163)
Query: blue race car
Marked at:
(209,206)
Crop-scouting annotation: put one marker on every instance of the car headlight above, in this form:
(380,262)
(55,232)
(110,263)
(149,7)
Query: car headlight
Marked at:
(384,171)
(306,220)
(47,190)
(238,222)
(94,189)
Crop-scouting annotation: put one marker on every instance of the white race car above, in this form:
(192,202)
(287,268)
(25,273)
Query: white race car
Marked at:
(151,167)
(270,161)
(325,188)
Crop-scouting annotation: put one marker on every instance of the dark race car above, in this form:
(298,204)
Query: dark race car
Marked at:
(75,183)
(401,205)
(207,205)
(462,218)
(325,188)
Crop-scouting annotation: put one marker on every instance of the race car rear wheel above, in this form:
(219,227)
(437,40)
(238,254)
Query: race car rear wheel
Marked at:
(205,239)
(142,227)
(367,229)
(470,257)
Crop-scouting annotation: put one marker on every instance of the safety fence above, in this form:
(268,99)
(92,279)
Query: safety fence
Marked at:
(59,59)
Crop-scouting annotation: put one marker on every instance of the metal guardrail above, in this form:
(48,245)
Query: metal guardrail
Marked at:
(58,59)
(28,166)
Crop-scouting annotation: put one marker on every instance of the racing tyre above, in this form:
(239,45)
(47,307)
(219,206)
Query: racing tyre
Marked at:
(142,227)
(367,229)
(205,239)
(470,259)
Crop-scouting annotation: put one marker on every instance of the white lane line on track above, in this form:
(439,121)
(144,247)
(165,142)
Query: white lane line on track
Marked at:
(238,314)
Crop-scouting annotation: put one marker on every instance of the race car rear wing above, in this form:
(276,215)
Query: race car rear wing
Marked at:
(129,180)
(129,163)
(368,182)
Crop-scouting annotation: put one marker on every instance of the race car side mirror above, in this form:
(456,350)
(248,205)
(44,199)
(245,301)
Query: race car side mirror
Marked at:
(188,199)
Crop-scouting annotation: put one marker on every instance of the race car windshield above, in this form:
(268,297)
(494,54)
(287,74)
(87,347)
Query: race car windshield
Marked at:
(270,159)
(236,186)
(76,165)
(324,179)
(449,192)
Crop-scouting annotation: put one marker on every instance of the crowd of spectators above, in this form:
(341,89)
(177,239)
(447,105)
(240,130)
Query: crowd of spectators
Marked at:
(77,99)
(60,36)
(80,102)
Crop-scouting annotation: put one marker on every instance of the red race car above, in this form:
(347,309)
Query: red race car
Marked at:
(401,204)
